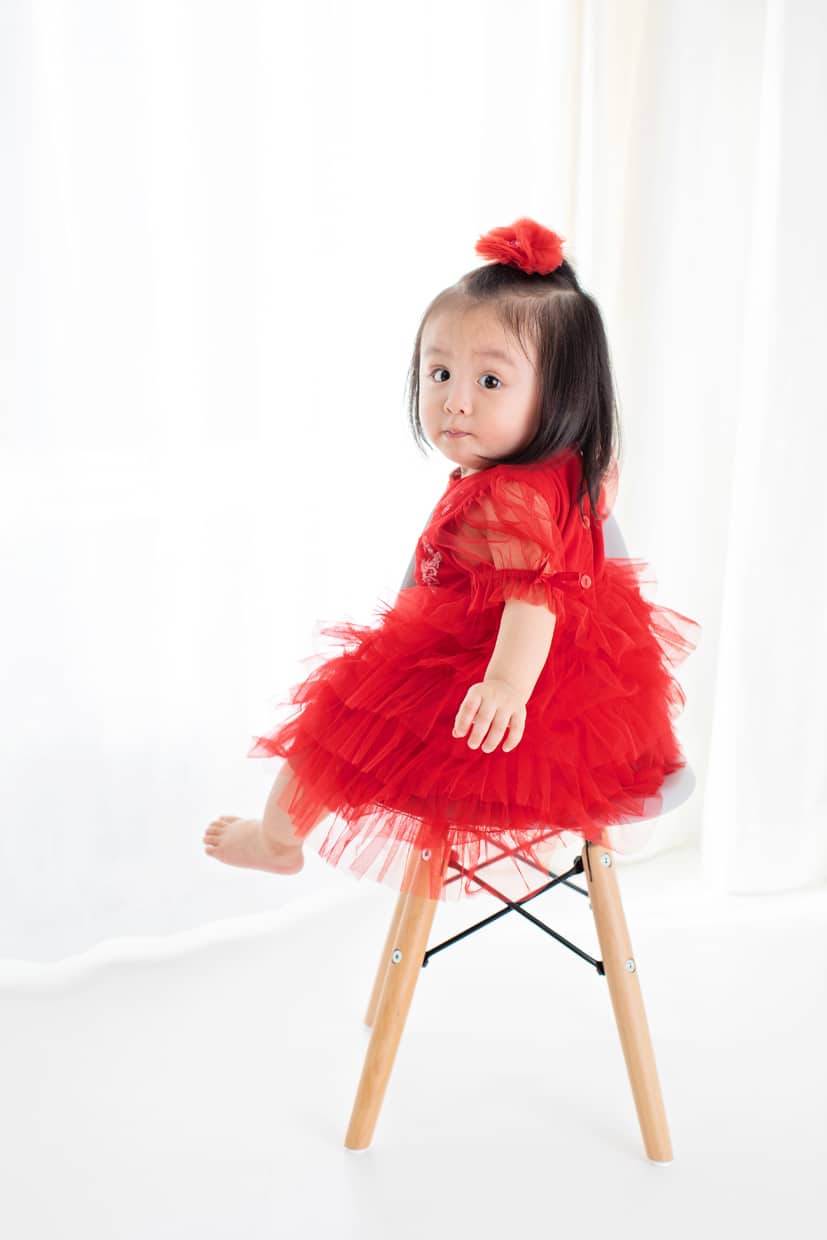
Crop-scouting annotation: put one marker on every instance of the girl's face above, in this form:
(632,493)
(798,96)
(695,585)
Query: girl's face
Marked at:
(475,378)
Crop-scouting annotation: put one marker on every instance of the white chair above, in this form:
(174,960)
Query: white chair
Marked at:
(405,952)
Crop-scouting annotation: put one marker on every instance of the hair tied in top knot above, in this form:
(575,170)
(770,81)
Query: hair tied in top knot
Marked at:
(525,244)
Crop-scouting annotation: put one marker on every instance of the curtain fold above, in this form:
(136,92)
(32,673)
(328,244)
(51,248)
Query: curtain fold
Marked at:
(222,223)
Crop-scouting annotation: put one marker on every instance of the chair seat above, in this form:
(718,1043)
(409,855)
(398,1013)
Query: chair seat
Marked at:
(675,789)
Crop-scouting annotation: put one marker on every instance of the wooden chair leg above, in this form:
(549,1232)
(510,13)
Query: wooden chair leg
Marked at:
(627,1000)
(404,963)
(385,959)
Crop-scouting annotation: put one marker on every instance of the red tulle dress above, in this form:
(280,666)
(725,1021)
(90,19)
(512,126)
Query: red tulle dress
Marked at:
(371,739)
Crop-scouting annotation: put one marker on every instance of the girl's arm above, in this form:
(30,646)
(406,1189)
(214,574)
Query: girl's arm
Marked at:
(523,643)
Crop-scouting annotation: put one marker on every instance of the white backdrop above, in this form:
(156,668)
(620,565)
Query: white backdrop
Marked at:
(220,225)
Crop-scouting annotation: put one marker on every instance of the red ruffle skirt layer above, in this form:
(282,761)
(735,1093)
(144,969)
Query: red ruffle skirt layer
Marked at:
(372,743)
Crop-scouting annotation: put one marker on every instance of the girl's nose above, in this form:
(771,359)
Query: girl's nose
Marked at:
(458,400)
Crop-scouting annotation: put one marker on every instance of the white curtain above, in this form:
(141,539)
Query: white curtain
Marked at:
(221,223)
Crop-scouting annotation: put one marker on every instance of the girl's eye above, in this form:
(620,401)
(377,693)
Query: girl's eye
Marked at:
(486,376)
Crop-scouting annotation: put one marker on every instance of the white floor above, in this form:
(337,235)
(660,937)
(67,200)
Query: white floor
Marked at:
(200,1085)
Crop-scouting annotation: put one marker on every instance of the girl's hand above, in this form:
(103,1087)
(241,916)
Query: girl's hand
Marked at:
(493,707)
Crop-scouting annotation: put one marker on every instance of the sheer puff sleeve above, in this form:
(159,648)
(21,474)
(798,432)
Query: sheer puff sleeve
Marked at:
(508,539)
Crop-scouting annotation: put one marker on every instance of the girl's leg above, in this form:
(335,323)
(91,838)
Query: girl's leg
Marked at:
(267,843)
(276,825)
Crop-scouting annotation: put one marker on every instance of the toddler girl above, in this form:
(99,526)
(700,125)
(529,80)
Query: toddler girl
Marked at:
(520,687)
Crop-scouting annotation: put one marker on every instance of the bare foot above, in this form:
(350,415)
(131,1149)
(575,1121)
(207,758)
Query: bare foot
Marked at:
(239,841)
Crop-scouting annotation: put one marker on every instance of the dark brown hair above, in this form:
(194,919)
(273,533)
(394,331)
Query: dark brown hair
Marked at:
(577,401)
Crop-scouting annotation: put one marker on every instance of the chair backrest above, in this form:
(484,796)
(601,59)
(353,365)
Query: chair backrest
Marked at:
(613,545)
(409,578)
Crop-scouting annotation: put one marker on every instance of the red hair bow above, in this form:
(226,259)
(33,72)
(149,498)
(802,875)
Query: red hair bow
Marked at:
(525,244)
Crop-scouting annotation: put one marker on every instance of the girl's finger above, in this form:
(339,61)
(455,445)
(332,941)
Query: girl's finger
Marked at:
(465,716)
(497,731)
(480,730)
(477,735)
(515,735)
(492,740)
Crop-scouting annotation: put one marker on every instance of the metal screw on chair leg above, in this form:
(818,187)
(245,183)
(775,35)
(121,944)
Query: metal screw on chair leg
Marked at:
(605,859)
(396,956)
(630,966)
(426,854)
